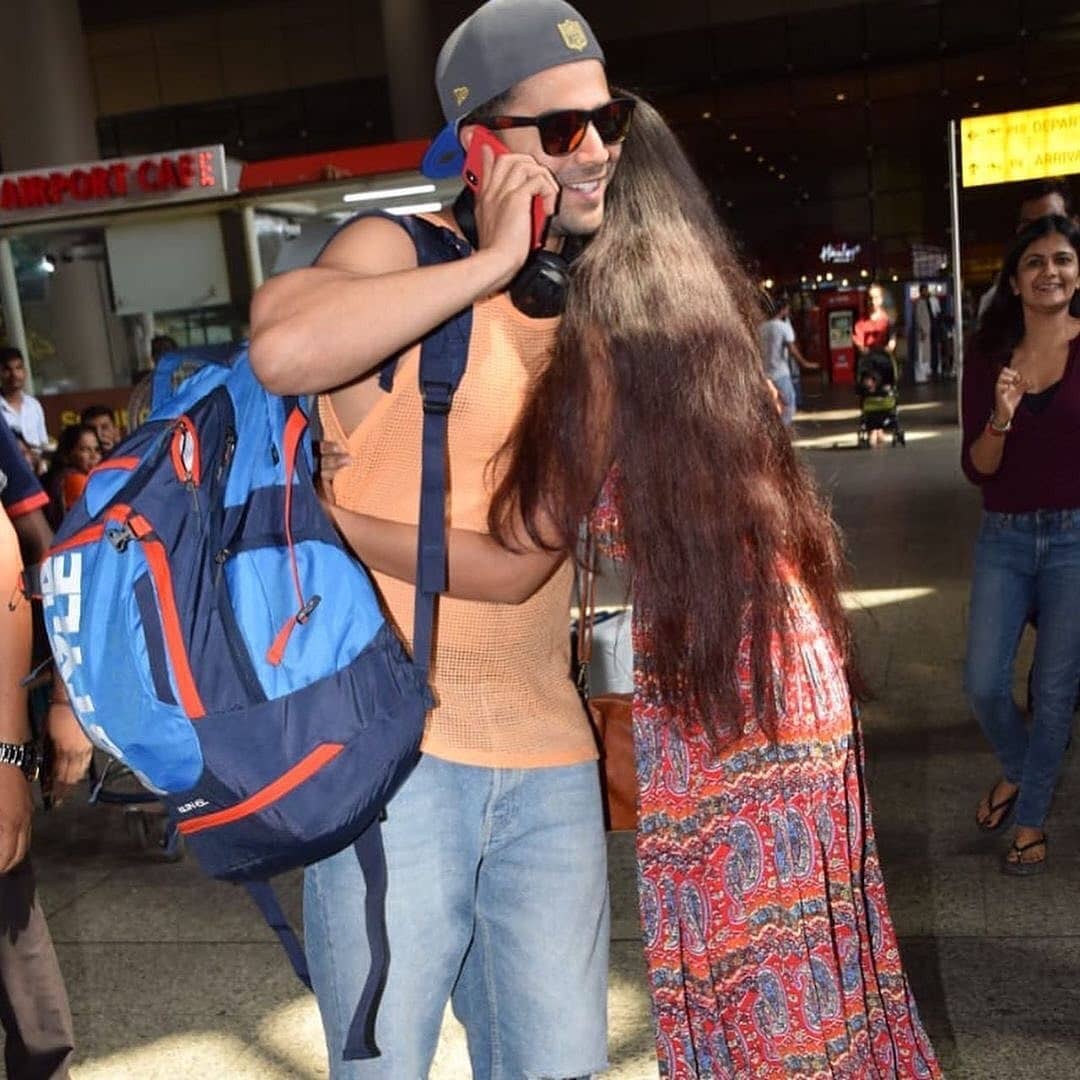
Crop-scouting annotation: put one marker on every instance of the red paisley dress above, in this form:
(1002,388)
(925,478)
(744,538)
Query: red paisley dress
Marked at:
(768,939)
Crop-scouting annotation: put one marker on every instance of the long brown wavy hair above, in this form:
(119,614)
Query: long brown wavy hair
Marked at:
(657,372)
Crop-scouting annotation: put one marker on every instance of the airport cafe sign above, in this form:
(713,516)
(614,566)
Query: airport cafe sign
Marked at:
(1023,145)
(115,184)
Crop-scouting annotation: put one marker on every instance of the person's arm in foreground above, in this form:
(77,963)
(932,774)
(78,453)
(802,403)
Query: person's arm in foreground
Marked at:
(16,806)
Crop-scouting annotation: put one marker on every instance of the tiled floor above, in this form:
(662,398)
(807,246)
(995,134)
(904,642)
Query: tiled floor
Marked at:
(174,977)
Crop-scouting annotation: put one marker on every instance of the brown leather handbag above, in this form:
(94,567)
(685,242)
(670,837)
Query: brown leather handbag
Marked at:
(611,717)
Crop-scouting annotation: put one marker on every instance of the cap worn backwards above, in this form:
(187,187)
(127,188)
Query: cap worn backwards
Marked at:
(499,45)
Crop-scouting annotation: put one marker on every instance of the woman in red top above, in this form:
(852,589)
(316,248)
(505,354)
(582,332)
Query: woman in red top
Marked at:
(767,933)
(875,331)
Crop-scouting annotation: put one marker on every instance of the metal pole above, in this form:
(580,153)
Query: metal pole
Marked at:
(958,295)
(13,320)
(251,246)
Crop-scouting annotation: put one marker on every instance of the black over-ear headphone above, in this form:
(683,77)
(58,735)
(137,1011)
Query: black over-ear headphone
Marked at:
(540,286)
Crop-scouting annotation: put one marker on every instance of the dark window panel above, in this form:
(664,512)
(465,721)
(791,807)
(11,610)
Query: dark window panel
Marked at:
(749,48)
(1054,51)
(108,147)
(199,124)
(272,116)
(826,39)
(675,60)
(840,90)
(961,74)
(1051,15)
(626,61)
(143,133)
(760,99)
(902,80)
(967,23)
(905,29)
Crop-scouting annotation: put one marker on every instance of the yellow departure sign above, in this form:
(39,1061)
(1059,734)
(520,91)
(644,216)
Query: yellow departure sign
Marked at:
(1020,145)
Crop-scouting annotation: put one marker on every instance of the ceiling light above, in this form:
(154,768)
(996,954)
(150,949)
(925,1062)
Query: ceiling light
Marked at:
(415,208)
(841,97)
(828,276)
(864,273)
(706,116)
(748,149)
(781,176)
(387,193)
(768,283)
(733,137)
(980,78)
(761,159)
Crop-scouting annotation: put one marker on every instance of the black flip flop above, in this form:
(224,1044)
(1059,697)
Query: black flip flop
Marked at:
(1017,867)
(1006,805)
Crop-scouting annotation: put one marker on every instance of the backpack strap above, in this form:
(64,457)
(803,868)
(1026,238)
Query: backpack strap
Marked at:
(443,356)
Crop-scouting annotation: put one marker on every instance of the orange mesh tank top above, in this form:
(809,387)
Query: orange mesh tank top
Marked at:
(501,672)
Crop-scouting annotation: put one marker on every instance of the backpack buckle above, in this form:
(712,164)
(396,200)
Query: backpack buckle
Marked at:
(120,537)
(437,397)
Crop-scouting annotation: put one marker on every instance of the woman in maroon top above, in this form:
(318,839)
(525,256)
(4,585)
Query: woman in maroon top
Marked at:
(1021,412)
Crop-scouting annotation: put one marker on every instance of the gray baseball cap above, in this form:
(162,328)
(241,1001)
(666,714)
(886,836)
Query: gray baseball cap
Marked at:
(495,48)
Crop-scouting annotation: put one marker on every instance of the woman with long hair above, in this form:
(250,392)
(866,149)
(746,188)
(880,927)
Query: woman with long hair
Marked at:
(1021,445)
(769,944)
(77,452)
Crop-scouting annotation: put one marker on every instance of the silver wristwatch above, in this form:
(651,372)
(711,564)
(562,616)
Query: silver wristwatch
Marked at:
(23,756)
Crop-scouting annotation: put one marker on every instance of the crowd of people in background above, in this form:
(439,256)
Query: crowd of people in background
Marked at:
(64,463)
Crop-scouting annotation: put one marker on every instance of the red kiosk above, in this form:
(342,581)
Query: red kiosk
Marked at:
(840,309)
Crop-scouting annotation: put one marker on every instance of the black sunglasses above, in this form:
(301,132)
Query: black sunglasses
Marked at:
(563,131)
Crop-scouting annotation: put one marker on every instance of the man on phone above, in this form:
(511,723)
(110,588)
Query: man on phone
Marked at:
(497,881)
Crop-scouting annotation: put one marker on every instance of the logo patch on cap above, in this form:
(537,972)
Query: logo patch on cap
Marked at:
(573,34)
(461,95)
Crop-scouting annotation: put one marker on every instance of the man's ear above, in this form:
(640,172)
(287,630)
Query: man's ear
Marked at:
(465,135)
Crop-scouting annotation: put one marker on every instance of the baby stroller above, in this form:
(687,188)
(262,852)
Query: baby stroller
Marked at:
(876,384)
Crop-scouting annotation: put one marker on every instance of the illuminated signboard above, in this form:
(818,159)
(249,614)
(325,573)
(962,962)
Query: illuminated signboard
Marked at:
(118,183)
(1020,145)
(841,254)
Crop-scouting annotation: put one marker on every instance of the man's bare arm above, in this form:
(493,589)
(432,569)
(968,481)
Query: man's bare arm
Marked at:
(326,326)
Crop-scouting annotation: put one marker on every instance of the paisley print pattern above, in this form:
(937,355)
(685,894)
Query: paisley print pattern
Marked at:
(770,949)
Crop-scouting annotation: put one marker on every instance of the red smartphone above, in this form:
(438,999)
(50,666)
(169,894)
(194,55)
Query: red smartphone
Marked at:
(473,174)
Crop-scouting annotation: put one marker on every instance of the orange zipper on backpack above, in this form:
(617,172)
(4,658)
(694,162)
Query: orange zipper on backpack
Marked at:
(288,781)
(186,453)
(157,562)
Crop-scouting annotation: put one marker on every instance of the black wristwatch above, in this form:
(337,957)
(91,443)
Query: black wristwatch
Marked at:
(23,756)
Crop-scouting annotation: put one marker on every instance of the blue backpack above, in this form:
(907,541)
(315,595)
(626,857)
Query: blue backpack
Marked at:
(215,635)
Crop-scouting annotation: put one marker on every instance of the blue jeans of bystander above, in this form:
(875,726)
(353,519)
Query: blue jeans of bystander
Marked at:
(1026,563)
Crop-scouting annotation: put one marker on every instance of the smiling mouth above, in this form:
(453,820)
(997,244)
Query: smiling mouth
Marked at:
(586,187)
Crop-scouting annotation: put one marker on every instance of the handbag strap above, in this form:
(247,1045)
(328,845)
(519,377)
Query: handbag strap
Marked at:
(586,610)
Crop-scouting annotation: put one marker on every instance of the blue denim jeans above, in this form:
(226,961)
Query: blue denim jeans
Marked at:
(497,901)
(785,387)
(1026,563)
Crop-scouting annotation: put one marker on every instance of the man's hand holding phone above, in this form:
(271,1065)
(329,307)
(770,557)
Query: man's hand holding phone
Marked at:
(515,195)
